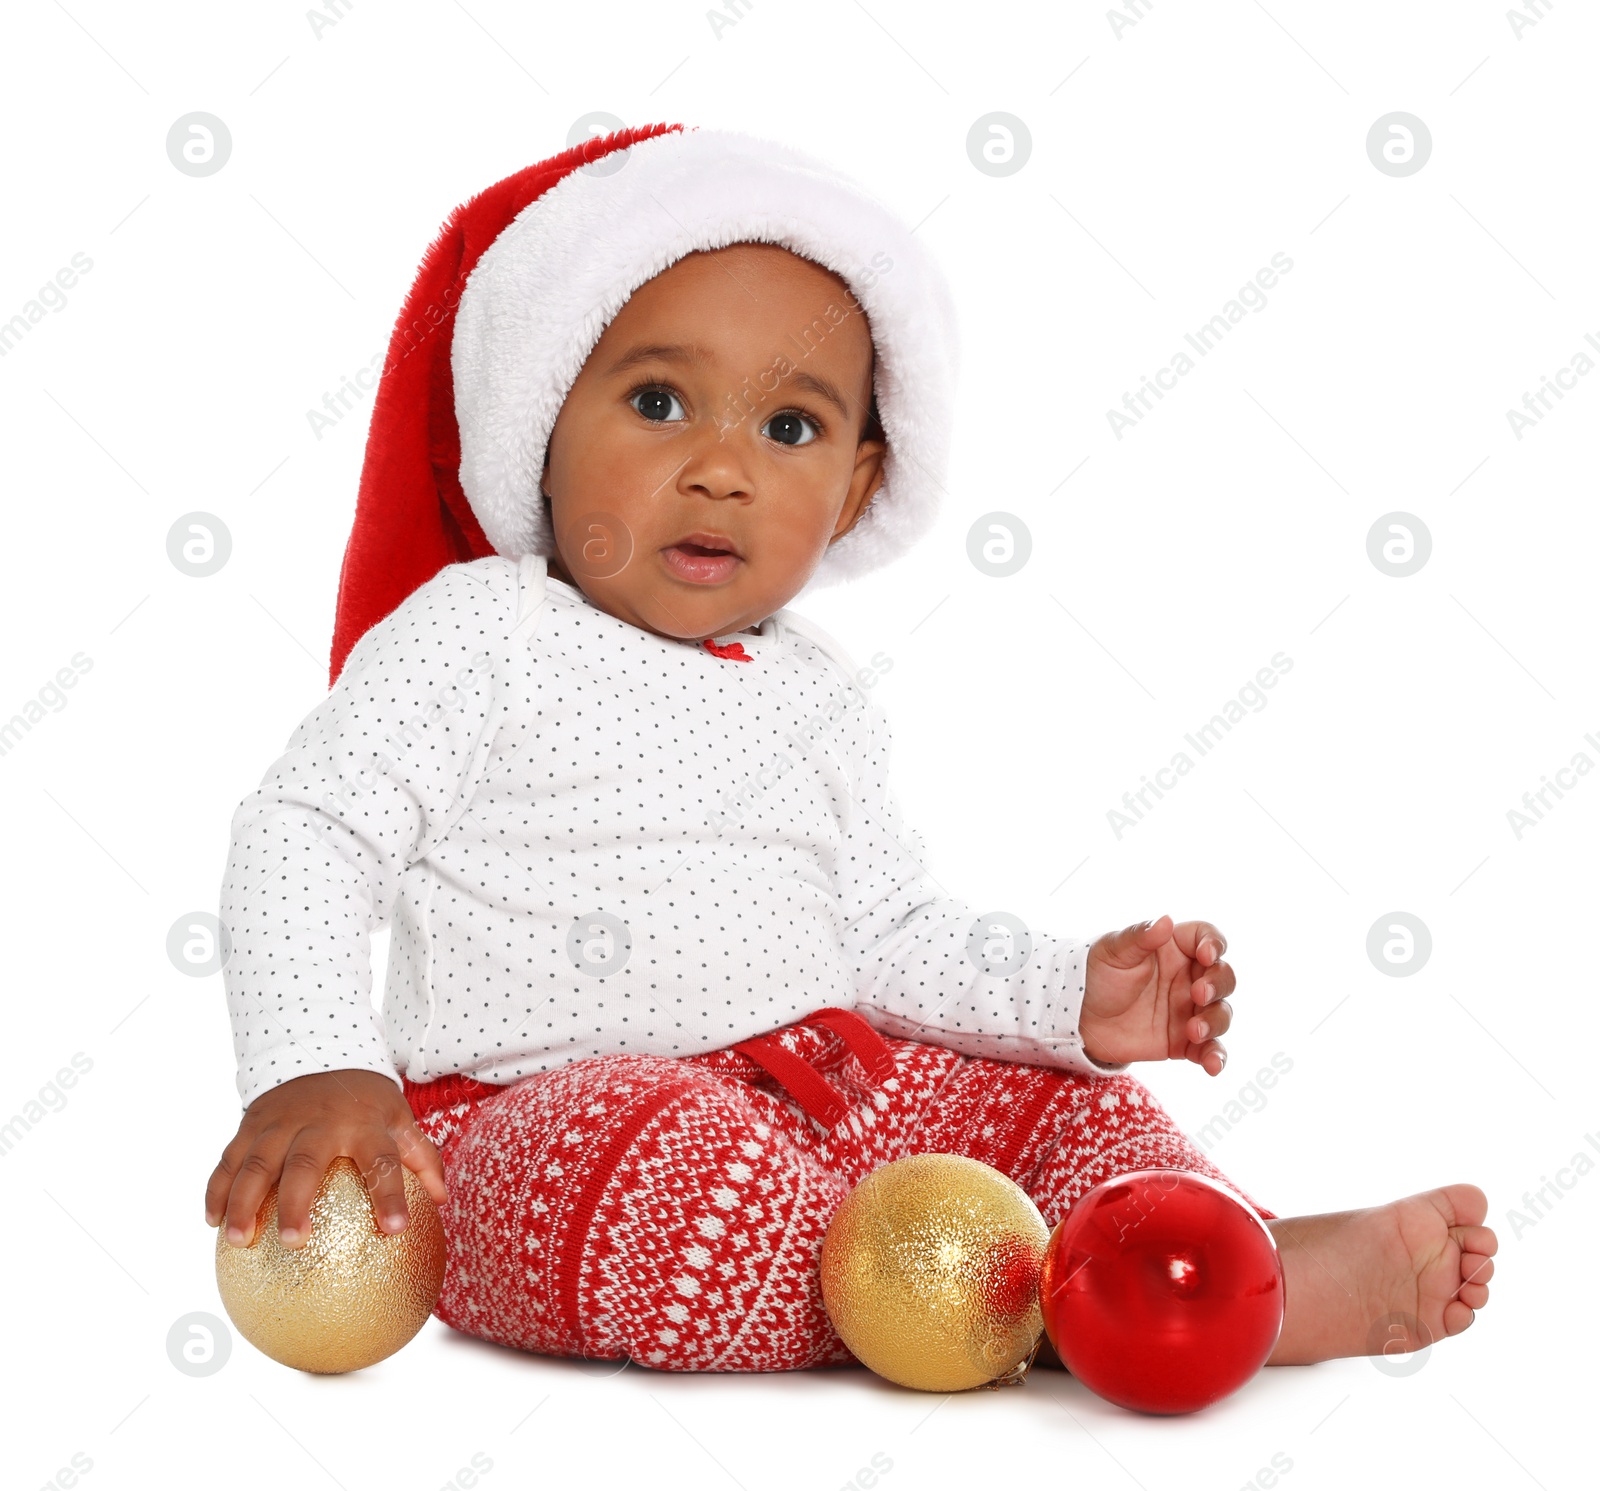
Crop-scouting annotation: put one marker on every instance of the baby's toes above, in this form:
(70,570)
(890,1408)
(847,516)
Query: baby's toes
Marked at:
(1480,1240)
(1468,1202)
(1476,1271)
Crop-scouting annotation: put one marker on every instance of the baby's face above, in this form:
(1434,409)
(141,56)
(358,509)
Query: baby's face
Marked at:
(757,443)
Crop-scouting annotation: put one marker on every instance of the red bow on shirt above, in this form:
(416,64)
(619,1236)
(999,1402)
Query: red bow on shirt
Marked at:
(730,649)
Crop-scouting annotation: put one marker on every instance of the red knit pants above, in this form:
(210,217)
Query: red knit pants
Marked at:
(671,1210)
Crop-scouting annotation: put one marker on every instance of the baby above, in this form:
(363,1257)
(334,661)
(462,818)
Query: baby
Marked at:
(666,976)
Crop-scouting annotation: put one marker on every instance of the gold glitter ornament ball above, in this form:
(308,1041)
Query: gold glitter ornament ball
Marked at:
(930,1272)
(351,1294)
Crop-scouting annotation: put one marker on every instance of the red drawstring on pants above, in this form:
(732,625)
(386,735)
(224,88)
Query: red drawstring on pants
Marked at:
(817,1096)
(446,1092)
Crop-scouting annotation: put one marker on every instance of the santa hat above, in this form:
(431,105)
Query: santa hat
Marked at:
(518,287)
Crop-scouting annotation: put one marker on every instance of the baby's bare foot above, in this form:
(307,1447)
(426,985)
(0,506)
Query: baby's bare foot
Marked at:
(1389,1278)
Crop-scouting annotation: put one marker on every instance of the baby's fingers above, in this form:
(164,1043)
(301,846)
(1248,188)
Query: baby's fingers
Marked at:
(220,1186)
(1213,983)
(303,1169)
(421,1154)
(254,1177)
(375,1153)
(1214,1019)
(384,1172)
(1208,1054)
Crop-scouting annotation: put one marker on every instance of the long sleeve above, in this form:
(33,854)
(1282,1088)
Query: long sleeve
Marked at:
(371,778)
(927,967)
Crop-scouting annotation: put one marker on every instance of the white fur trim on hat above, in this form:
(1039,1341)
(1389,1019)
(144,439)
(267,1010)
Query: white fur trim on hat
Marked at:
(543,292)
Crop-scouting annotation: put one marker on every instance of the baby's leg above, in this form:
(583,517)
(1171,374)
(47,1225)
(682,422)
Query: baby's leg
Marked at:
(1059,1134)
(637,1207)
(1382,1280)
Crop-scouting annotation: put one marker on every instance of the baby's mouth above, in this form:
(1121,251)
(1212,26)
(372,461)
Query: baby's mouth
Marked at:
(700,564)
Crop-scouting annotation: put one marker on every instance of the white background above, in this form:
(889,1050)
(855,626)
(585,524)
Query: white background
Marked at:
(1169,162)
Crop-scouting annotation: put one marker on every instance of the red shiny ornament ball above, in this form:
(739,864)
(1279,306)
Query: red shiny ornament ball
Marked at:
(1162,1291)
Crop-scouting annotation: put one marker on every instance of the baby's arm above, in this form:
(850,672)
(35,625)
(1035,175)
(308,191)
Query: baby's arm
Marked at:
(920,955)
(371,779)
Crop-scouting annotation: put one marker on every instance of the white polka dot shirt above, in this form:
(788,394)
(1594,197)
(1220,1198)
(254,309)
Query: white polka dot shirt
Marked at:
(588,839)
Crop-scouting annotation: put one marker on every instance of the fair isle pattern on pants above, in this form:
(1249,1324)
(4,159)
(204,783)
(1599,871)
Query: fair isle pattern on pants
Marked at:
(671,1210)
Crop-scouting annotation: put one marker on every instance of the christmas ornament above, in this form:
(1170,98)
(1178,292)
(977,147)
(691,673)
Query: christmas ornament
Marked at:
(1162,1290)
(351,1294)
(930,1273)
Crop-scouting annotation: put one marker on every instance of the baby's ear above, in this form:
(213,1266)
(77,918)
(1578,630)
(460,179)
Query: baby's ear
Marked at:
(874,426)
(870,452)
(868,478)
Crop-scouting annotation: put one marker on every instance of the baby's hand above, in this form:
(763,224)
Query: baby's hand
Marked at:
(298,1129)
(1158,991)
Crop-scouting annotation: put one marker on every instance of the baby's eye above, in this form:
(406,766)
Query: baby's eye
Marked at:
(655,397)
(789,420)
